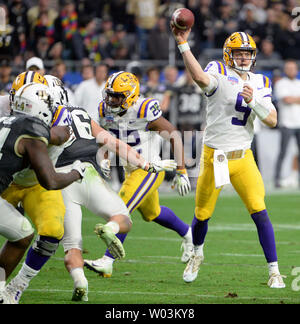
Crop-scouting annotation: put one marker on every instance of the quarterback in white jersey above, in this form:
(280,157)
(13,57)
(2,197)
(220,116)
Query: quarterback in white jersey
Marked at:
(236,96)
(139,122)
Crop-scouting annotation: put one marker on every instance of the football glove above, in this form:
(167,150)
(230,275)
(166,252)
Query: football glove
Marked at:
(79,167)
(163,165)
(105,167)
(181,182)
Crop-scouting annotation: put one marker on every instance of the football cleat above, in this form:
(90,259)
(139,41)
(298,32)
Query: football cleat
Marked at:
(188,250)
(80,292)
(276,281)
(191,271)
(14,290)
(103,266)
(113,244)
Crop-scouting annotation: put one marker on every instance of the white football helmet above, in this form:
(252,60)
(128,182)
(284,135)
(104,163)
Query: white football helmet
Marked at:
(59,92)
(36,100)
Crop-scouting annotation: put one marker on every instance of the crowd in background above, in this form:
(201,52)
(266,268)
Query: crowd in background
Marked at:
(108,35)
(109,30)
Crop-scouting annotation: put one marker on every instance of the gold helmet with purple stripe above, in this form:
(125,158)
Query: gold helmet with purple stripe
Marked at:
(239,41)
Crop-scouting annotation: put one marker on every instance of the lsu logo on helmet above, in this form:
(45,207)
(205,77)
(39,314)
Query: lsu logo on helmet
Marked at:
(238,41)
(126,86)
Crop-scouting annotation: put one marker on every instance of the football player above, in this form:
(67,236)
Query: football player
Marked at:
(139,122)
(93,192)
(24,138)
(236,96)
(44,207)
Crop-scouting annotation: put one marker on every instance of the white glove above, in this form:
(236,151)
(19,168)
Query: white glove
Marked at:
(163,165)
(181,182)
(79,167)
(105,167)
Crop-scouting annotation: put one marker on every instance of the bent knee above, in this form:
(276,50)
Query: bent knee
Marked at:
(202,214)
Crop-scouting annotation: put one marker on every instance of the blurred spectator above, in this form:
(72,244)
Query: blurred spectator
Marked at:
(287,92)
(288,39)
(225,24)
(41,15)
(155,89)
(59,70)
(87,72)
(66,31)
(91,8)
(145,13)
(11,43)
(43,28)
(118,12)
(267,57)
(6,77)
(35,64)
(89,34)
(42,48)
(204,20)
(18,18)
(120,45)
(159,39)
(170,78)
(89,93)
(271,28)
(249,23)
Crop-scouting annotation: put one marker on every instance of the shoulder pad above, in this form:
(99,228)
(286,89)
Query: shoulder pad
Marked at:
(34,127)
(216,66)
(62,117)
(101,109)
(267,82)
(149,109)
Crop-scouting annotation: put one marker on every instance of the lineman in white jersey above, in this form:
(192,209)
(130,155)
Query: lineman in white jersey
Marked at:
(235,97)
(139,122)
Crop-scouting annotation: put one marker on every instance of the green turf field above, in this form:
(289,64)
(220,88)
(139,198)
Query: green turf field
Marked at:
(234,269)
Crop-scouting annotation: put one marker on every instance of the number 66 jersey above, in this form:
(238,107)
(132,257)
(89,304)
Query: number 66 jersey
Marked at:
(131,127)
(229,120)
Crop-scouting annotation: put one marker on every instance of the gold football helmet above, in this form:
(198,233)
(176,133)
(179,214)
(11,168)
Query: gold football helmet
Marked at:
(26,78)
(121,91)
(239,41)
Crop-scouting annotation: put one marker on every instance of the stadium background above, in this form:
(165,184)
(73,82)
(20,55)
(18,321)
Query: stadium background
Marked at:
(112,32)
(135,35)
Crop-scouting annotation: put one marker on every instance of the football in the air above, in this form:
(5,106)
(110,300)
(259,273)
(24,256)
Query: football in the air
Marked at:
(183,19)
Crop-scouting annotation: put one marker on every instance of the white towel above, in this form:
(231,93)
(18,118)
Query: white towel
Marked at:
(221,170)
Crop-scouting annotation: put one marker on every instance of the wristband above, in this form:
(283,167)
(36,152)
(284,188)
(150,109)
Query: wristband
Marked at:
(183,47)
(261,111)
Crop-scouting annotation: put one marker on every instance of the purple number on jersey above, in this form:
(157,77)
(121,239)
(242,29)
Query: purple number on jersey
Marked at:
(244,109)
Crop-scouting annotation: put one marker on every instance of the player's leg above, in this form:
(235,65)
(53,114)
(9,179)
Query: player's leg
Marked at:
(286,135)
(19,233)
(248,182)
(72,244)
(101,200)
(206,198)
(164,216)
(46,210)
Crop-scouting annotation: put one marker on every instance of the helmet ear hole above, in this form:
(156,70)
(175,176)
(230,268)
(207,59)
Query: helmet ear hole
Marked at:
(126,84)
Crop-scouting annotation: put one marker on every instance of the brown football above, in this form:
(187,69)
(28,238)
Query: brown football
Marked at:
(183,19)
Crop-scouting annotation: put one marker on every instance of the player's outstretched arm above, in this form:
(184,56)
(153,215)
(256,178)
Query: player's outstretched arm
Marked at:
(36,152)
(126,152)
(193,66)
